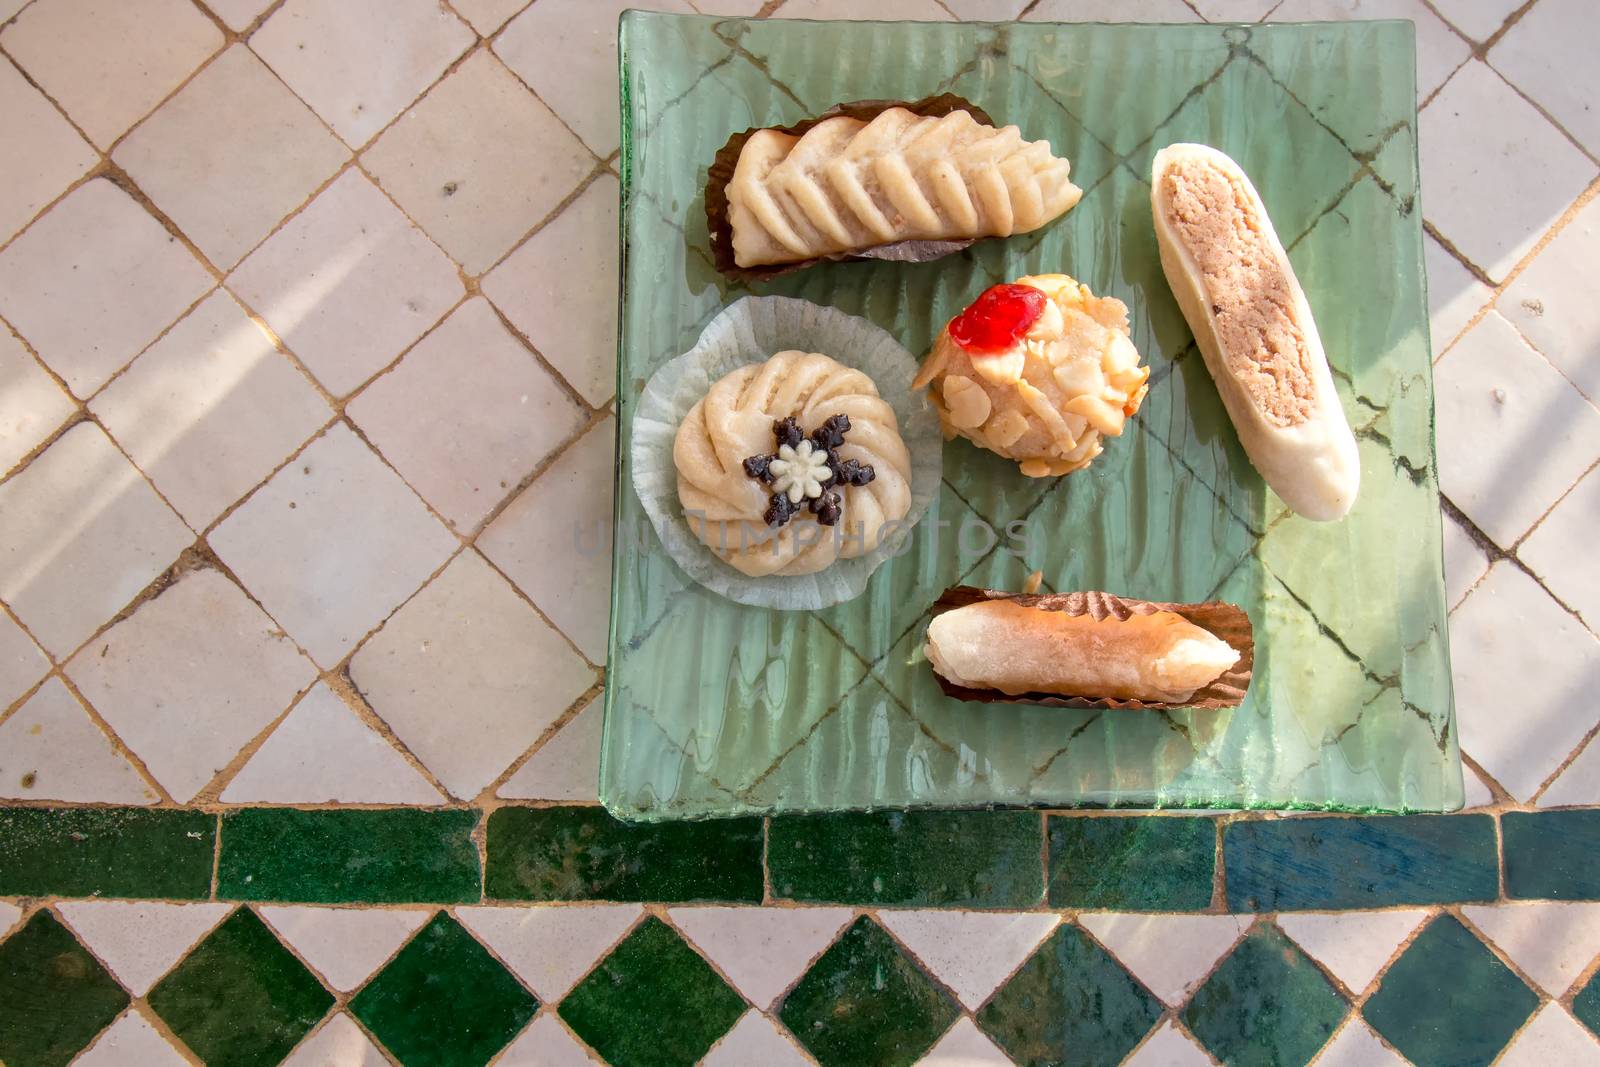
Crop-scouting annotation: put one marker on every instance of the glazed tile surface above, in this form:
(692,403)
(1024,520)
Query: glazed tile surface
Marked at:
(307,332)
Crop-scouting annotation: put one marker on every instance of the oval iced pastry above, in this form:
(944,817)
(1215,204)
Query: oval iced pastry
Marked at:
(1250,317)
(1014,648)
(848,185)
(1039,371)
(788,465)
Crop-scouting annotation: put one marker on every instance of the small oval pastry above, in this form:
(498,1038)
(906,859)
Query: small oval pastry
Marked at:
(788,465)
(1238,291)
(1038,371)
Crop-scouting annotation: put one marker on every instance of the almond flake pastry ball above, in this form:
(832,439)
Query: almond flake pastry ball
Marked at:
(788,465)
(1038,371)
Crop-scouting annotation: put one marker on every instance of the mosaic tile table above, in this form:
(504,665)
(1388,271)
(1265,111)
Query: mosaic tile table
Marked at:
(298,659)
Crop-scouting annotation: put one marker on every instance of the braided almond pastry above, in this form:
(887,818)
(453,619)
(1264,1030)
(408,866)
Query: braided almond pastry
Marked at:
(1038,372)
(848,186)
(788,465)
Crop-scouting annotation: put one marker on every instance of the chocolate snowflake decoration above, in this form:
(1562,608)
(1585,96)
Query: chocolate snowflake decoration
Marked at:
(804,469)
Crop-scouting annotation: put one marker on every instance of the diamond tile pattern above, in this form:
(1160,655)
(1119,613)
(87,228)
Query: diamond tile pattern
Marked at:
(46,153)
(56,996)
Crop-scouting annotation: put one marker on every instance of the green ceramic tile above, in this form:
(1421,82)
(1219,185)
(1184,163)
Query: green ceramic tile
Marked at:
(974,859)
(106,852)
(240,999)
(1586,1005)
(652,1003)
(586,854)
(865,1002)
(1550,855)
(1070,1003)
(386,856)
(1267,1005)
(1449,1000)
(443,1001)
(1134,863)
(1291,864)
(54,996)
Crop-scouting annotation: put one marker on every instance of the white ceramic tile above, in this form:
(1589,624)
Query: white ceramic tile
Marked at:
(964,1045)
(51,750)
(1355,1045)
(566,50)
(1554,307)
(551,947)
(190,678)
(566,767)
(755,1039)
(1478,19)
(882,10)
(468,676)
(359,63)
(341,1043)
(345,945)
(970,952)
(1112,11)
(1578,784)
(487,16)
(1553,1037)
(81,534)
(22,663)
(323,753)
(1496,172)
(1464,561)
(467,414)
(478,162)
(554,540)
(44,154)
(741,8)
(332,544)
(1558,550)
(545,1043)
(1353,946)
(140,940)
(1439,50)
(1552,943)
(94,281)
(32,405)
(1514,435)
(1548,55)
(1478,794)
(1454,294)
(230,155)
(9,914)
(1513,647)
(238,14)
(761,950)
(1234,10)
(210,409)
(348,283)
(108,62)
(1170,954)
(547,289)
(1169,1047)
(130,1040)
(980,10)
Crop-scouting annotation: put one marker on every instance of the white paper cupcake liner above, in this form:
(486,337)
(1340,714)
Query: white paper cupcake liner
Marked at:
(750,331)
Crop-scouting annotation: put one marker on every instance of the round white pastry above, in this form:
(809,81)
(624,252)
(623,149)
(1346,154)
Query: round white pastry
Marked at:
(799,505)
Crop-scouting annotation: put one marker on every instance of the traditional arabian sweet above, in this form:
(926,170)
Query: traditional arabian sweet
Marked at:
(788,465)
(1251,320)
(848,185)
(1040,371)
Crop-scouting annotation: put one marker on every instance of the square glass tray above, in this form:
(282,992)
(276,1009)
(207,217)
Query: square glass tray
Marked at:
(714,709)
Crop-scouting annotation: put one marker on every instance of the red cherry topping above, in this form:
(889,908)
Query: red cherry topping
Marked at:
(996,319)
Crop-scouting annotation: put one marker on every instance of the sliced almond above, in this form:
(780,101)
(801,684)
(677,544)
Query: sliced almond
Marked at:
(967,403)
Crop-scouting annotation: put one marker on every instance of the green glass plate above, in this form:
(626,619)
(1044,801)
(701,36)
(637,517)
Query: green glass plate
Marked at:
(716,709)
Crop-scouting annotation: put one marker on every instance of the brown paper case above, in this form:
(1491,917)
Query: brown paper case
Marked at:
(727,158)
(1227,621)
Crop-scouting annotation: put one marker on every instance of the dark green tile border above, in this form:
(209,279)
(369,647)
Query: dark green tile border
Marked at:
(106,852)
(1552,855)
(394,855)
(586,854)
(974,859)
(1340,862)
(1132,863)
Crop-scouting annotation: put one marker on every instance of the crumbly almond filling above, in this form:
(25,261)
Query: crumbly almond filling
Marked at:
(1250,294)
